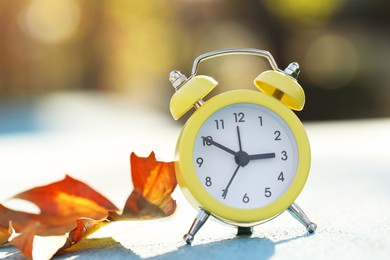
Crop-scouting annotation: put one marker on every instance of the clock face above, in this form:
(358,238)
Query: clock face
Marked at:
(245,155)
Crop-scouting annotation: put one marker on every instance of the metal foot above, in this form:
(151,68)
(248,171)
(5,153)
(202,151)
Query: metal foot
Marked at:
(244,231)
(299,215)
(200,219)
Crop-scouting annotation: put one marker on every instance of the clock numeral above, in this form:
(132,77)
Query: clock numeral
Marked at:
(219,124)
(245,199)
(208,181)
(261,120)
(205,140)
(267,192)
(224,193)
(199,161)
(239,117)
(281,177)
(284,156)
(277,136)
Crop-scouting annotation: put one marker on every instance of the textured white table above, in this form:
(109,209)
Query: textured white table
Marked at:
(91,137)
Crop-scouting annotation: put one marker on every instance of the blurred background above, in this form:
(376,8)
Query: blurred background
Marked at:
(97,73)
(127,48)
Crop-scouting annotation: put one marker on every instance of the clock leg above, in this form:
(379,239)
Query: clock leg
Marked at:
(298,214)
(244,231)
(200,219)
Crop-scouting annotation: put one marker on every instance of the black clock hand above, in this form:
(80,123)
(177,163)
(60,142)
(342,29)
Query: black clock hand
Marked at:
(261,156)
(220,146)
(225,191)
(239,138)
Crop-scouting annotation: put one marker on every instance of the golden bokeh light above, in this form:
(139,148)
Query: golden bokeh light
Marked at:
(137,33)
(49,21)
(331,61)
(304,12)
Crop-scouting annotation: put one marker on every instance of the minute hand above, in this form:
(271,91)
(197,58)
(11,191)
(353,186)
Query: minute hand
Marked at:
(220,146)
(261,156)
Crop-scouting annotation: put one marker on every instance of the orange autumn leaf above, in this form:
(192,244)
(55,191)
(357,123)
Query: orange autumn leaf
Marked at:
(154,182)
(45,247)
(4,234)
(71,210)
(84,227)
(68,198)
(24,240)
(61,204)
(7,215)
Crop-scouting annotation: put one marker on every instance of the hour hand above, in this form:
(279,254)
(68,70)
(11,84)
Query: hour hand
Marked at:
(209,140)
(261,156)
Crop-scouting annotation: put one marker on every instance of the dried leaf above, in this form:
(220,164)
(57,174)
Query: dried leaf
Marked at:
(154,182)
(4,235)
(62,204)
(34,246)
(24,240)
(84,228)
(71,210)
(69,199)
(137,207)
(22,219)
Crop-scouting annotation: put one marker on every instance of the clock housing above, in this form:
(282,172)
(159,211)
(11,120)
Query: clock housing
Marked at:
(235,208)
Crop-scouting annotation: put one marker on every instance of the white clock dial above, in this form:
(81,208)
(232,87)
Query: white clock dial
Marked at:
(245,155)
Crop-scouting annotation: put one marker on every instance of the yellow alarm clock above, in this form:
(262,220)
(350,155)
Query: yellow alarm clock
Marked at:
(243,157)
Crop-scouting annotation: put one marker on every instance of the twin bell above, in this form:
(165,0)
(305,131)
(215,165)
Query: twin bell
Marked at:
(279,84)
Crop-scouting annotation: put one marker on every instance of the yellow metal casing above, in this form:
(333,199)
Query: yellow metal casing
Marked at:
(290,92)
(192,187)
(186,96)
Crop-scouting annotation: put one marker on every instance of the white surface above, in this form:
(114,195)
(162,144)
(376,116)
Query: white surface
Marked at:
(92,136)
